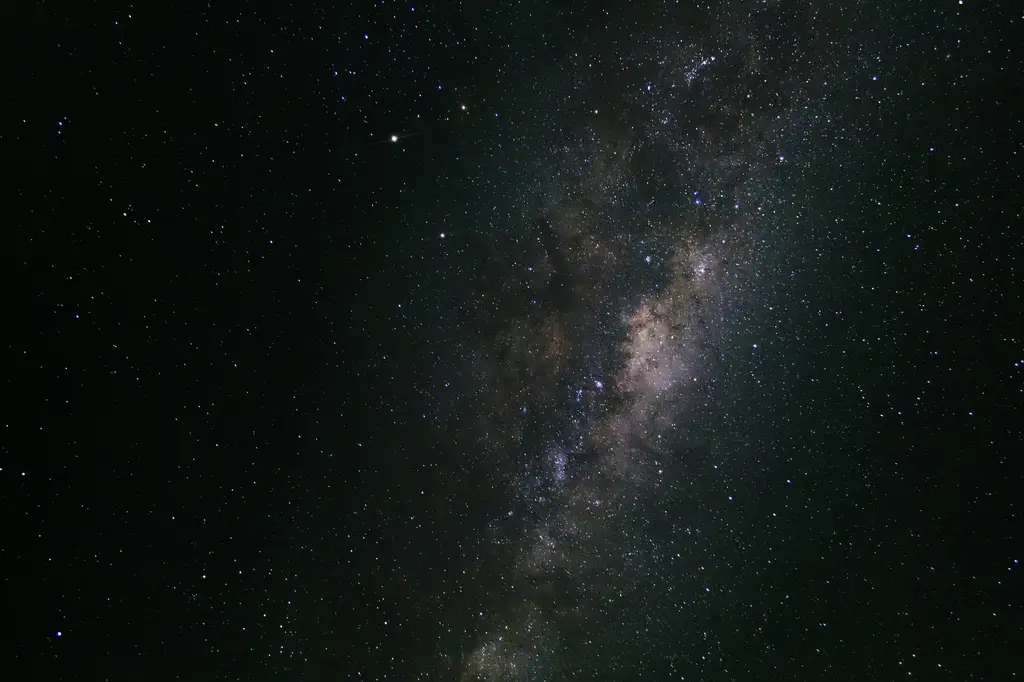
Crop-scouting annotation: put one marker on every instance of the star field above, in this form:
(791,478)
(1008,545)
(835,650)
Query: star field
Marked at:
(534,342)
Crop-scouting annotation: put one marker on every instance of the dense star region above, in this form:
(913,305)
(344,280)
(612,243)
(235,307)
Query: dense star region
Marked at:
(514,341)
(598,330)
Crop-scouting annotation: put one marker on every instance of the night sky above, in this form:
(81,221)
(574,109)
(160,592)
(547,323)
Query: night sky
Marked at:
(514,341)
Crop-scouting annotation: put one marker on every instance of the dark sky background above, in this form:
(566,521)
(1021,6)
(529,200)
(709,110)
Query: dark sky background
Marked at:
(514,341)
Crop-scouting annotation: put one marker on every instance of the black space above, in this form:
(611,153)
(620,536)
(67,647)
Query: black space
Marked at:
(514,341)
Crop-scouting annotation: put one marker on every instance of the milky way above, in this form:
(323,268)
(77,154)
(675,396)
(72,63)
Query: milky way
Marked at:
(558,340)
(593,340)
